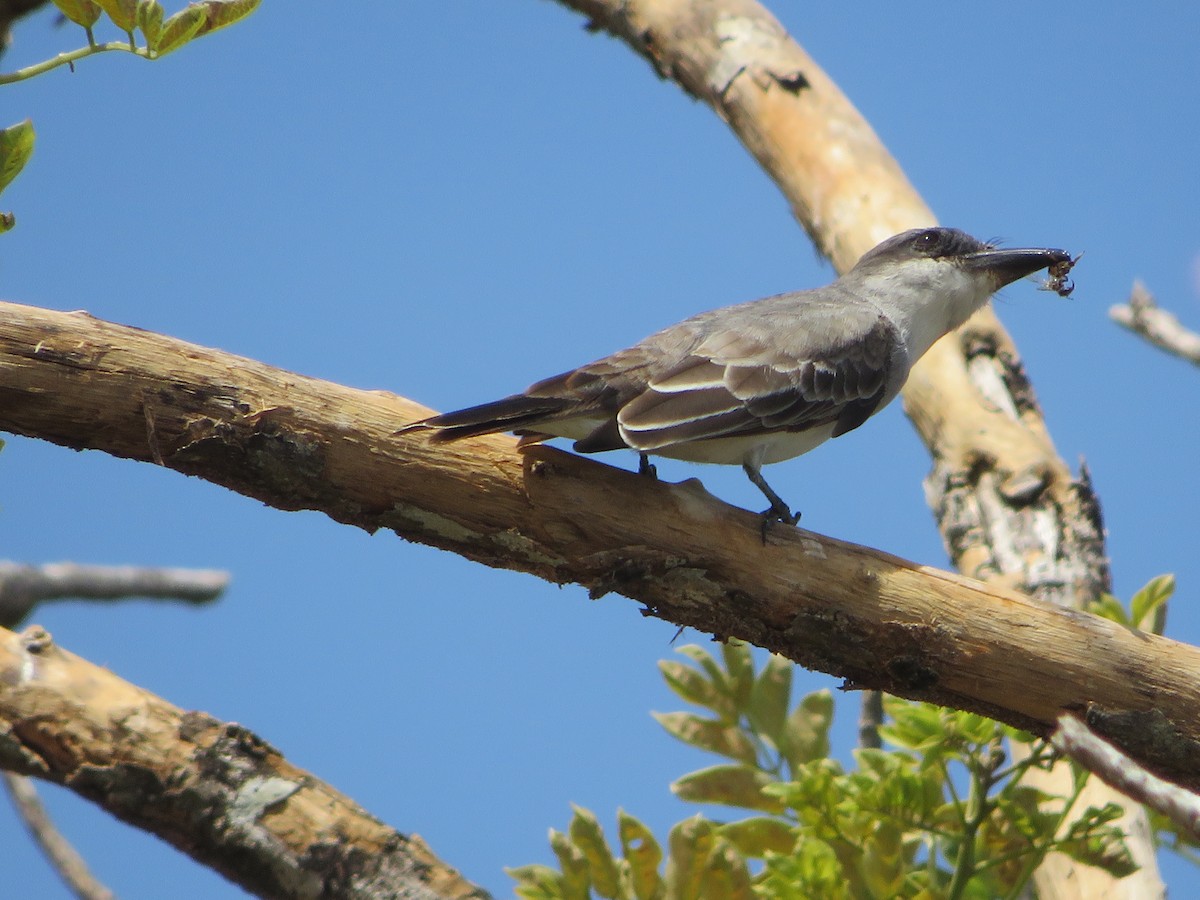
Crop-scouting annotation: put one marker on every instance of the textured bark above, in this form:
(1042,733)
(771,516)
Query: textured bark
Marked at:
(1007,506)
(1143,316)
(212,789)
(878,621)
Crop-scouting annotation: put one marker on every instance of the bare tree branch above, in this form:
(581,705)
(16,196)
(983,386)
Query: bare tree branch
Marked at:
(870,719)
(1007,505)
(300,443)
(213,789)
(58,850)
(22,587)
(1144,317)
(1115,768)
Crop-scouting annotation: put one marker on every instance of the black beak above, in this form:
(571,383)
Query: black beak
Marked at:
(1006,266)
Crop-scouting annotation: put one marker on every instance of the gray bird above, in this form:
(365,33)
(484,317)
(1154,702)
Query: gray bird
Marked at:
(764,381)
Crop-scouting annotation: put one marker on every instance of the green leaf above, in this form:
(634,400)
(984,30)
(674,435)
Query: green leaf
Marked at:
(644,856)
(972,727)
(1109,607)
(149,20)
(81,12)
(219,13)
(818,785)
(588,836)
(883,863)
(692,685)
(739,663)
(722,700)
(180,28)
(756,837)
(1094,841)
(729,785)
(769,700)
(16,146)
(690,843)
(708,734)
(536,882)
(575,882)
(806,734)
(813,870)
(726,876)
(1144,607)
(122,12)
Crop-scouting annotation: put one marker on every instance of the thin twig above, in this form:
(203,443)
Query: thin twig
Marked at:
(62,856)
(24,586)
(1117,770)
(870,717)
(1144,317)
(69,59)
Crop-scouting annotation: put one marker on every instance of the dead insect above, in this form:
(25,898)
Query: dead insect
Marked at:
(1058,280)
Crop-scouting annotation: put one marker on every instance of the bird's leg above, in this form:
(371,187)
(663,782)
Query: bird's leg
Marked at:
(779,511)
(646,468)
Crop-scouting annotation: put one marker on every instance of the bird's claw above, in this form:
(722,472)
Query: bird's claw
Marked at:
(780,514)
(647,468)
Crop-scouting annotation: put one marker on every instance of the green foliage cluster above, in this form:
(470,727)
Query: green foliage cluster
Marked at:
(16,146)
(1147,610)
(161,35)
(942,814)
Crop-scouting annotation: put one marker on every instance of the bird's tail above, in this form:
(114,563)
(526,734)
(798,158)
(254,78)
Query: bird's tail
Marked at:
(510,414)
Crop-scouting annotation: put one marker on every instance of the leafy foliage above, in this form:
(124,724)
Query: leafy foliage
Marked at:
(160,34)
(1147,610)
(16,146)
(943,814)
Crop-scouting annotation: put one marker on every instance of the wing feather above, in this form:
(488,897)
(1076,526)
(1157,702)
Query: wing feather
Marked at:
(745,383)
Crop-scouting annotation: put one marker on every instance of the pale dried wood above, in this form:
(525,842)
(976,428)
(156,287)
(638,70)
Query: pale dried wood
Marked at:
(1006,504)
(213,789)
(1144,317)
(878,621)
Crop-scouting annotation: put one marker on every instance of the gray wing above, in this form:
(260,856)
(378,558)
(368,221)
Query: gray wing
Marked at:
(780,364)
(797,366)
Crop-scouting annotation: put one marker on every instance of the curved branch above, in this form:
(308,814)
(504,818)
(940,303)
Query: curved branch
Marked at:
(58,850)
(1144,317)
(212,789)
(1006,504)
(300,443)
(22,587)
(1113,767)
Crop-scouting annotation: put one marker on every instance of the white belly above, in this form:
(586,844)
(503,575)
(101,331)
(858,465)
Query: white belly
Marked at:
(730,451)
(733,451)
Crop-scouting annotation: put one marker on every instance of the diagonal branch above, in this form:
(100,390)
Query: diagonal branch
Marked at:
(58,850)
(212,789)
(300,443)
(1096,755)
(22,587)
(1144,317)
(1006,504)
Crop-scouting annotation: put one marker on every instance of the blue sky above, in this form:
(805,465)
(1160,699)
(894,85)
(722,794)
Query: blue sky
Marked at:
(452,200)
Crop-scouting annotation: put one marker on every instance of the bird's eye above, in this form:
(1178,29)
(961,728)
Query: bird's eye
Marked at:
(927,242)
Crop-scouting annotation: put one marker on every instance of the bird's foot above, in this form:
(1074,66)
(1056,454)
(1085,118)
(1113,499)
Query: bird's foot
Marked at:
(780,514)
(646,468)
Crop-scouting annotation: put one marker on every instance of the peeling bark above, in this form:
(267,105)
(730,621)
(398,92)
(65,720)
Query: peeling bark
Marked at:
(877,621)
(213,789)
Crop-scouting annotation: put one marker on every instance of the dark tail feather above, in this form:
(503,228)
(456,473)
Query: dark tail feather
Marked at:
(509,414)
